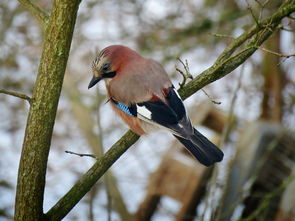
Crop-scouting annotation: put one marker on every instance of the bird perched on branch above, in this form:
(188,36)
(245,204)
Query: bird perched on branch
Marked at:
(142,94)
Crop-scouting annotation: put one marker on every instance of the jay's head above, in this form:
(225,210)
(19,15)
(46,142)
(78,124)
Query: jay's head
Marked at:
(110,62)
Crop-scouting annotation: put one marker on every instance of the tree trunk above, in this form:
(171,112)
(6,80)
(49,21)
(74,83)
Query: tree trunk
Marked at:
(273,81)
(36,145)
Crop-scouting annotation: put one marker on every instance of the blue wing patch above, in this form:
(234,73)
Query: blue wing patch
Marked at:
(124,108)
(131,111)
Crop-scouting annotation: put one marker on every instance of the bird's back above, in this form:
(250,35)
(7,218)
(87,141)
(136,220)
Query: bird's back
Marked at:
(139,81)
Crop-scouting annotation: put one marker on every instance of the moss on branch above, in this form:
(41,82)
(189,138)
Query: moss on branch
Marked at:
(16,94)
(227,62)
(103,163)
(41,16)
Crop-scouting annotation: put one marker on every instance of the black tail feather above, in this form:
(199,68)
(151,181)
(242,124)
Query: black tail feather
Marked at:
(202,149)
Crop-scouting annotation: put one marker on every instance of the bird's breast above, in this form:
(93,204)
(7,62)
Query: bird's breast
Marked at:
(134,123)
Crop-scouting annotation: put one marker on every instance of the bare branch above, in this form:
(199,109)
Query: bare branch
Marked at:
(276,53)
(222,36)
(252,13)
(285,10)
(226,63)
(213,101)
(66,203)
(41,16)
(185,75)
(81,154)
(16,94)
(262,5)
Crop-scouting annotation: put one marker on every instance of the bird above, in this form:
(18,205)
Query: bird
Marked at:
(141,93)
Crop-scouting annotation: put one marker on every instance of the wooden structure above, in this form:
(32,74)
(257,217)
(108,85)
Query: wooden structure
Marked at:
(265,159)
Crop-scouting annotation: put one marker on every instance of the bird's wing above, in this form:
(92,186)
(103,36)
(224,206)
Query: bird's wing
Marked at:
(170,115)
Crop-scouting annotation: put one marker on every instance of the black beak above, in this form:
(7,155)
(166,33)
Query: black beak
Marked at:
(94,81)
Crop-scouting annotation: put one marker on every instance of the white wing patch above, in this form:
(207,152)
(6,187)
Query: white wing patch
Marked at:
(144,112)
(177,94)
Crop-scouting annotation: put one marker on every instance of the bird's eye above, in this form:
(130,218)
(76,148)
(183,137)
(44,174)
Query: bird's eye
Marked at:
(105,67)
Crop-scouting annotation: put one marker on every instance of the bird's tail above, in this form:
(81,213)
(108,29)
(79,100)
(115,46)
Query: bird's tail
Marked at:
(201,148)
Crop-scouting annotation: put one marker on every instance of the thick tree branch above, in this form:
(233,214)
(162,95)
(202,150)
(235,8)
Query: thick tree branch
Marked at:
(46,93)
(226,63)
(223,66)
(89,179)
(41,16)
(285,10)
(16,94)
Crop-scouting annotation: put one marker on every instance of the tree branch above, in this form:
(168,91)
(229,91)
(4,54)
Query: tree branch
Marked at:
(276,53)
(41,16)
(81,154)
(75,194)
(285,10)
(226,63)
(186,75)
(16,94)
(223,66)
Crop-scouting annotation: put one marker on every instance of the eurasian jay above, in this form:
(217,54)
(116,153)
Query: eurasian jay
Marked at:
(141,93)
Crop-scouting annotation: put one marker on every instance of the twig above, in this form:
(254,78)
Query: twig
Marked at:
(69,200)
(277,53)
(222,36)
(41,16)
(81,154)
(286,29)
(252,13)
(211,99)
(276,18)
(262,5)
(185,75)
(16,94)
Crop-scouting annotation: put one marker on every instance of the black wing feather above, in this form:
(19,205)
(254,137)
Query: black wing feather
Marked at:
(172,115)
(167,115)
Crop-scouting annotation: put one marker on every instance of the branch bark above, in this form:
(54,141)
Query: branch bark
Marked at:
(36,145)
(226,63)
(75,194)
(16,94)
(86,125)
(223,66)
(41,16)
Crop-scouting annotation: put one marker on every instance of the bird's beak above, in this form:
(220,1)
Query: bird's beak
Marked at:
(94,81)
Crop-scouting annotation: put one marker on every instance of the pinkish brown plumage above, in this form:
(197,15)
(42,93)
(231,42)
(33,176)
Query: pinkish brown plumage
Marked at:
(142,94)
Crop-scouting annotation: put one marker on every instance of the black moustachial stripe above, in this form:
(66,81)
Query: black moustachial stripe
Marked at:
(109,74)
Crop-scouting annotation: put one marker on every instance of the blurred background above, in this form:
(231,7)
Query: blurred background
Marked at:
(250,113)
